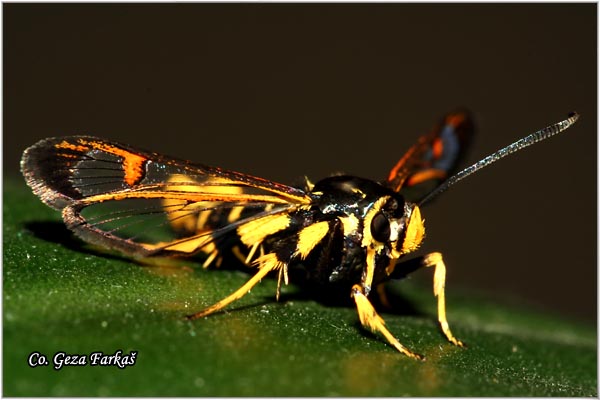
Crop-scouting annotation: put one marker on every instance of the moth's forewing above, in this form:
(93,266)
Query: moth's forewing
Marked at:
(130,200)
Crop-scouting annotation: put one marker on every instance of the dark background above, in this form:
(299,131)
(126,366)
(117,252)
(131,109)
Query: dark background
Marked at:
(281,90)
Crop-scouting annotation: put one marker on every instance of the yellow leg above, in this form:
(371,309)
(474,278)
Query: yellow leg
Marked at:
(282,277)
(383,296)
(371,320)
(439,283)
(211,257)
(251,252)
(267,263)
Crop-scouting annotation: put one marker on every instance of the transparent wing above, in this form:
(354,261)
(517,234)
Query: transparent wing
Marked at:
(143,203)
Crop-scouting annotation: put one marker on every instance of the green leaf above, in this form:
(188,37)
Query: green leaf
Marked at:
(62,295)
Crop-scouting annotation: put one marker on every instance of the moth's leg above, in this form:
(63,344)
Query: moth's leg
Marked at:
(439,282)
(282,277)
(283,252)
(383,297)
(267,263)
(211,252)
(238,252)
(371,320)
(248,259)
(211,257)
(381,290)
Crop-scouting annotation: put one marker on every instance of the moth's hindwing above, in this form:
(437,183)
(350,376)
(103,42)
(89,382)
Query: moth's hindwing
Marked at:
(433,158)
(143,203)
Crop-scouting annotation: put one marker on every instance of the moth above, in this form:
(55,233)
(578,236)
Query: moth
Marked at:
(342,234)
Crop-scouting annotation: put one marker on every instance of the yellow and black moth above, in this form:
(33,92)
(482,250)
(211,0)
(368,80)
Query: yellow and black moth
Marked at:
(343,234)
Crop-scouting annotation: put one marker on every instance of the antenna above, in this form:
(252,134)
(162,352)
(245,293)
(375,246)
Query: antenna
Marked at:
(516,146)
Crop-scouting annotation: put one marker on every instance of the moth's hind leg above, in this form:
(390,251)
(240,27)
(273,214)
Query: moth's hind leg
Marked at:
(267,263)
(439,282)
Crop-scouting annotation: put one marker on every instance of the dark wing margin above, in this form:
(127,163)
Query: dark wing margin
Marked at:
(434,157)
(126,199)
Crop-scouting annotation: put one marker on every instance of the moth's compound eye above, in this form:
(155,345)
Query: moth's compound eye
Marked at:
(380,228)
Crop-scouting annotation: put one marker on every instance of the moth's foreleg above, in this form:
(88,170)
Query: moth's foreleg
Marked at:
(439,282)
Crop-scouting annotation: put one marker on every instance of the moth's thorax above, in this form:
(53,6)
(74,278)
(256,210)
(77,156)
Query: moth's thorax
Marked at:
(372,217)
(349,195)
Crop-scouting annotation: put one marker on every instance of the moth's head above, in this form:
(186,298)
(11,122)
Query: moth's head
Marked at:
(395,225)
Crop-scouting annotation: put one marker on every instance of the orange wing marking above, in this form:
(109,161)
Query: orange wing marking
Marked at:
(132,163)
